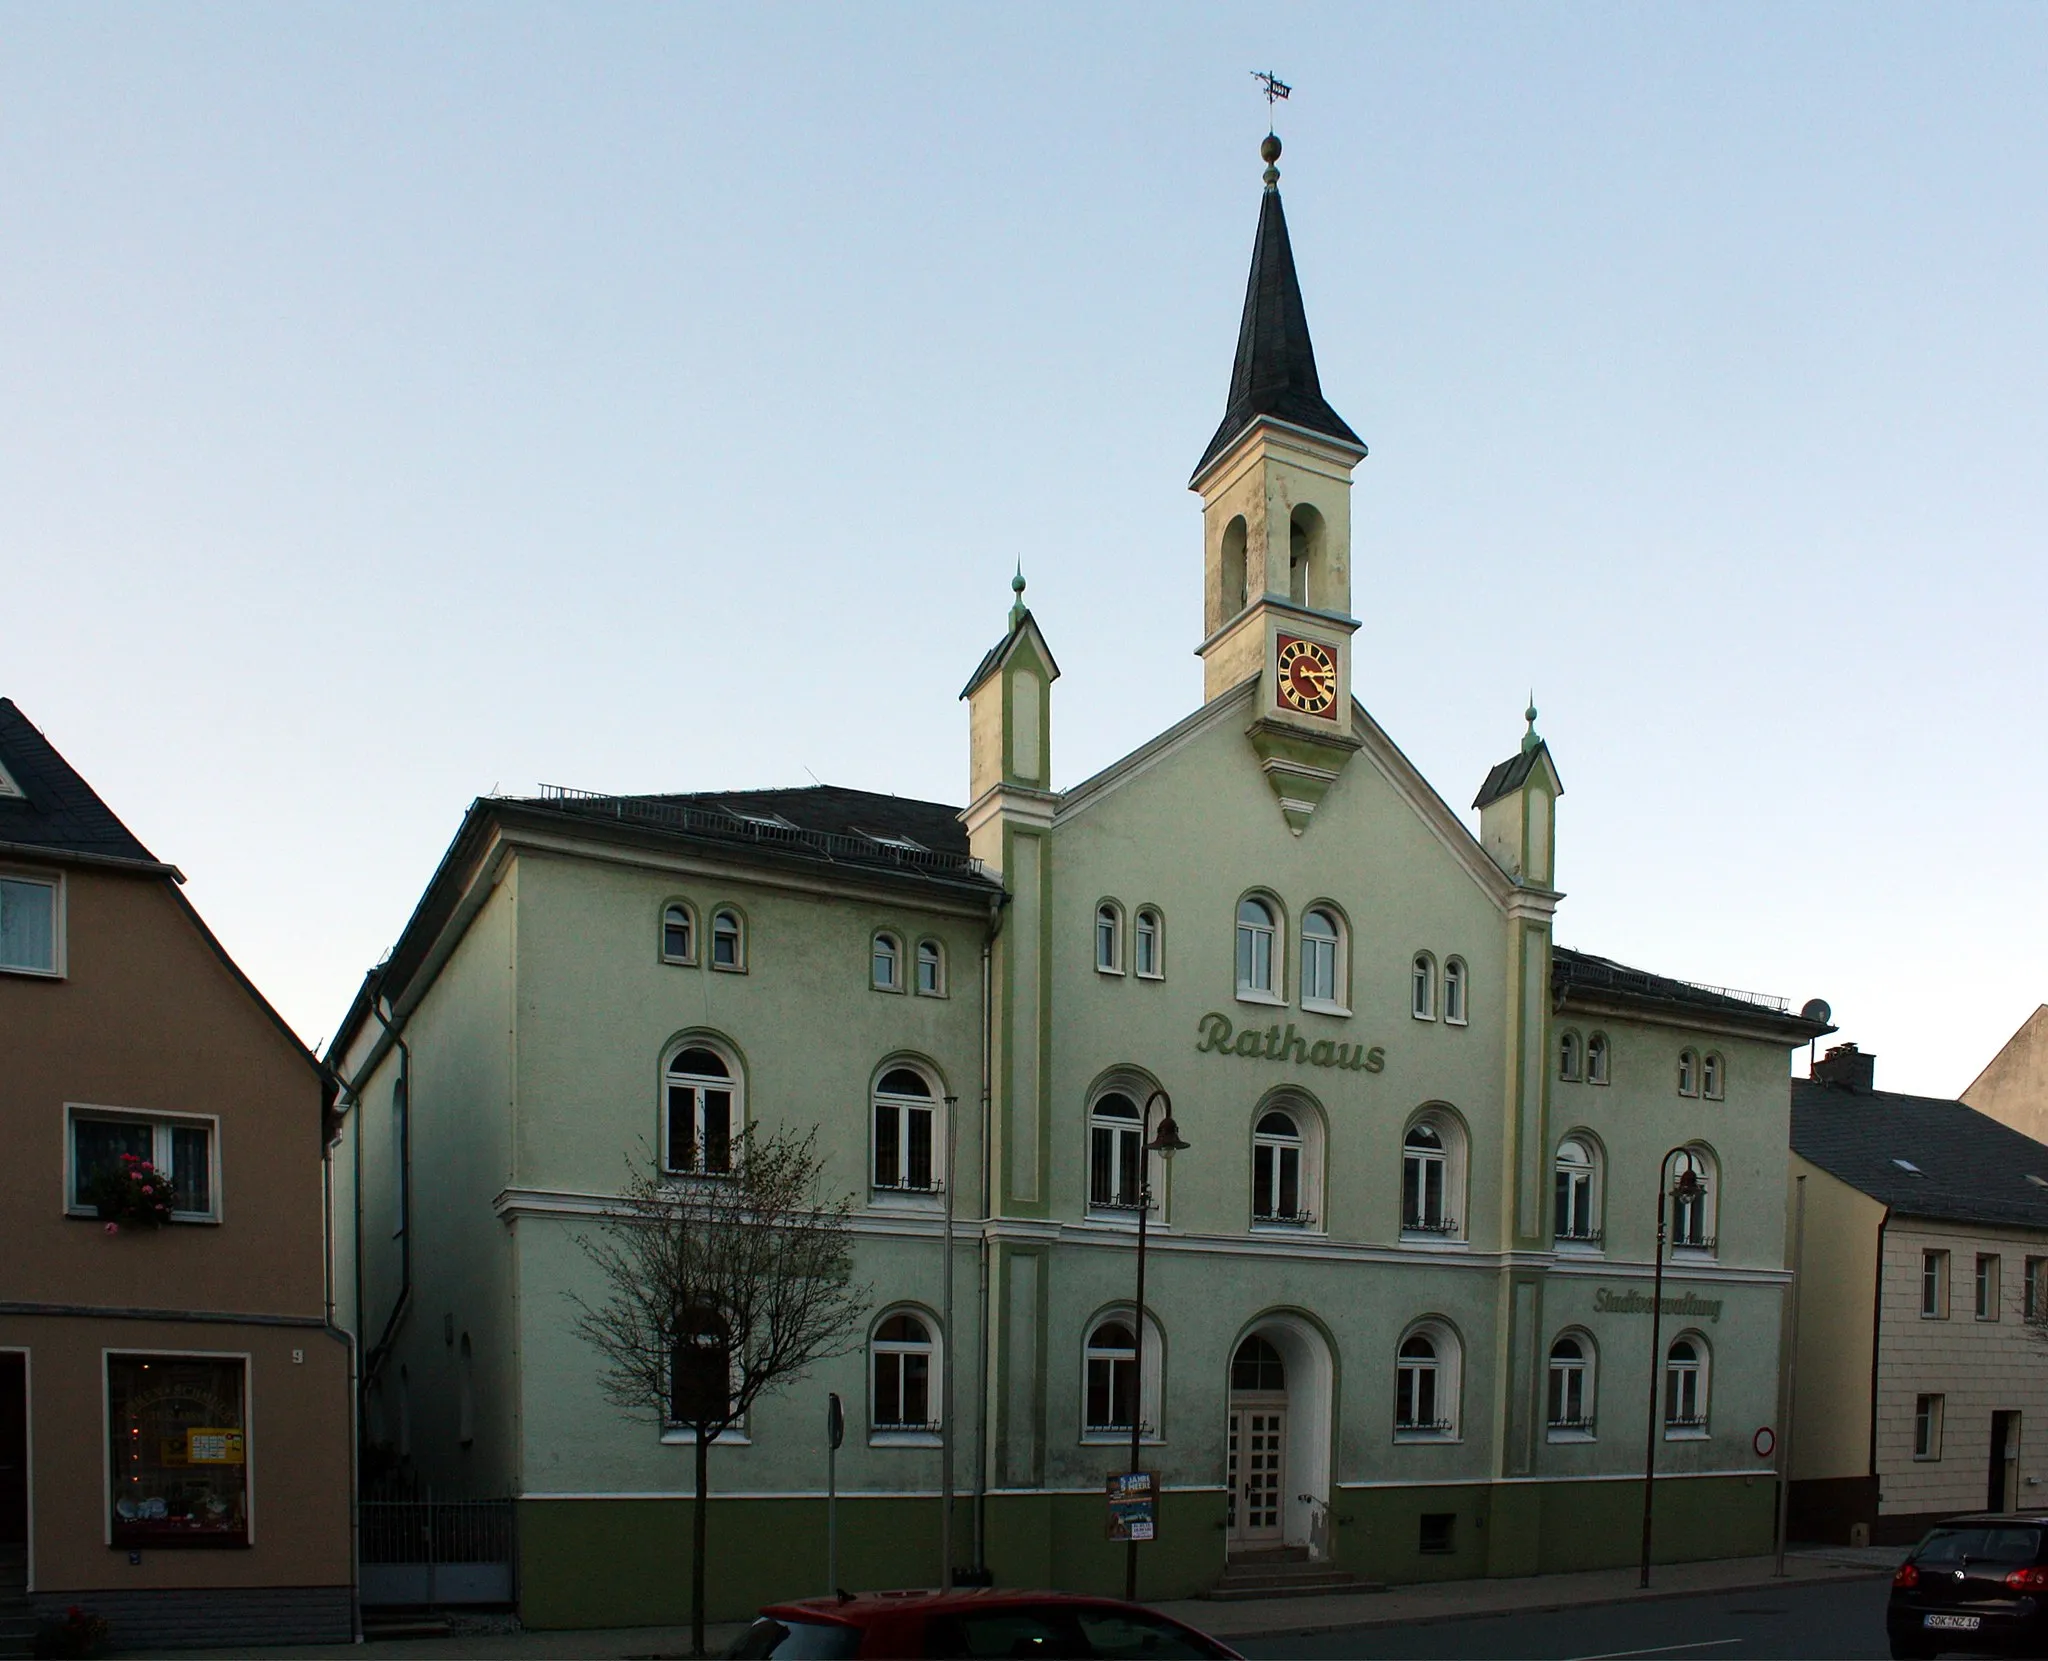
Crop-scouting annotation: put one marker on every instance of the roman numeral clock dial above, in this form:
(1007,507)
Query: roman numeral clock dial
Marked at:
(1307,676)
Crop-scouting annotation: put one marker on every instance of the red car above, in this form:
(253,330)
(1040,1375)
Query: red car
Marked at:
(978,1623)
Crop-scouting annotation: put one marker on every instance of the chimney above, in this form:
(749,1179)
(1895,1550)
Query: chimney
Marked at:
(1849,1067)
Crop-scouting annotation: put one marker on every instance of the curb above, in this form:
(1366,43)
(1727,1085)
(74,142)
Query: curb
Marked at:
(1376,1623)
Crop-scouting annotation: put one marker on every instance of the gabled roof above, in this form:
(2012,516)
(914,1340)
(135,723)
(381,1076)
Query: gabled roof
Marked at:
(1275,371)
(1510,775)
(56,811)
(1966,1166)
(1021,623)
(1583,977)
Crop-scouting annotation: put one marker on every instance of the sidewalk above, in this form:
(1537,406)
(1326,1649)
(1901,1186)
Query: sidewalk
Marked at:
(1271,1617)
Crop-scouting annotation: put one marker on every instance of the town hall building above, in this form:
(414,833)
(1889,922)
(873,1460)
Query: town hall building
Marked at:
(1397,1309)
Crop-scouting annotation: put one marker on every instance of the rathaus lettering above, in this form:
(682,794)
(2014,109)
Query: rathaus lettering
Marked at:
(1276,1045)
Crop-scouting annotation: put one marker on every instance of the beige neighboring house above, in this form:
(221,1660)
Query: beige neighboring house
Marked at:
(1922,1377)
(175,1408)
(2013,1088)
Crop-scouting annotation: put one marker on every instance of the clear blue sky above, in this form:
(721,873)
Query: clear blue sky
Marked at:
(406,402)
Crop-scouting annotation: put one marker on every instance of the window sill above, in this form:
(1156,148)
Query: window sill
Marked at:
(1307,1229)
(1249,995)
(1428,1438)
(1434,1242)
(893,991)
(1694,1254)
(1927,1317)
(32,974)
(681,1436)
(1693,1434)
(1120,1439)
(1142,975)
(922,993)
(1417,1015)
(1457,1021)
(728,968)
(1599,1083)
(1988,1320)
(905,1439)
(1123,1220)
(1102,969)
(1927,1459)
(679,962)
(1317,1006)
(907,1199)
(1579,1248)
(179,1219)
(1569,1437)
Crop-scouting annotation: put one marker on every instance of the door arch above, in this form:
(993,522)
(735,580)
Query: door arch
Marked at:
(1280,1387)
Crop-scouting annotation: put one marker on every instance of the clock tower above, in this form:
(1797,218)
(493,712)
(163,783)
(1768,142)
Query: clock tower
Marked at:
(1275,485)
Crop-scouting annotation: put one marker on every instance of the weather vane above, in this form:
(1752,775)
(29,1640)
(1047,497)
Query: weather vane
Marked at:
(1273,87)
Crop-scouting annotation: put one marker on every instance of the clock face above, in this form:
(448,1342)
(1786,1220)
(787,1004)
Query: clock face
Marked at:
(1308,676)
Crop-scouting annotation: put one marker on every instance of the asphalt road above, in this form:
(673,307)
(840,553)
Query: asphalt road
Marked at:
(1824,1622)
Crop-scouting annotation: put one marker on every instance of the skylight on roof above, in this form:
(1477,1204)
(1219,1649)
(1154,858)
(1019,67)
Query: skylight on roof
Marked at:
(902,844)
(761,821)
(1909,1168)
(2038,1182)
(7,785)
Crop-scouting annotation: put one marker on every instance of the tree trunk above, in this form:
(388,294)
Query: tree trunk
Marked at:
(697,1542)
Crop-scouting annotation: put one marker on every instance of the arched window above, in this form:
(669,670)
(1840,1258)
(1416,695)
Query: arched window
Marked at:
(678,933)
(1322,959)
(1426,1384)
(1577,1211)
(886,963)
(1109,938)
(1277,1171)
(1115,1153)
(1571,1388)
(1256,932)
(1685,1386)
(704,1116)
(700,1381)
(1422,987)
(1305,556)
(1151,944)
(1688,1073)
(906,1117)
(1692,1204)
(931,969)
(1111,1361)
(902,1372)
(728,940)
(1710,1077)
(1568,1055)
(1454,991)
(1235,593)
(1596,1058)
(1425,1182)
(1257,1367)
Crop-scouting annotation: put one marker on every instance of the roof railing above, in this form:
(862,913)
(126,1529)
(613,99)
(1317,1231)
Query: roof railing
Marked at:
(705,819)
(1601,973)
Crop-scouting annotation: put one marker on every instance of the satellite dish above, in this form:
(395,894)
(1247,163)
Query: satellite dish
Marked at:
(1816,1009)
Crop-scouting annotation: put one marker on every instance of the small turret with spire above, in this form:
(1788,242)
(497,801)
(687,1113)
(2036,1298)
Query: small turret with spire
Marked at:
(1518,810)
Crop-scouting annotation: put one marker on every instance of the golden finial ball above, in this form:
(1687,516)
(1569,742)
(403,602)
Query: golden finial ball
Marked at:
(1269,149)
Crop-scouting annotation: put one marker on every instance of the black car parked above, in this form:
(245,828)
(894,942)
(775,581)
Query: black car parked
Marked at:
(1977,1583)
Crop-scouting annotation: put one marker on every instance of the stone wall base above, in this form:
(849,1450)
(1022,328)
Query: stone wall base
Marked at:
(210,1617)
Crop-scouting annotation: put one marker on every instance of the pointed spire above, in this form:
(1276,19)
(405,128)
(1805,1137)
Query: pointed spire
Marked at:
(1018,610)
(1529,738)
(1275,371)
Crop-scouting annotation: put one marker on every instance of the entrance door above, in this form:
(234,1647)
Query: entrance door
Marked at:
(2005,1461)
(13,1474)
(1258,1474)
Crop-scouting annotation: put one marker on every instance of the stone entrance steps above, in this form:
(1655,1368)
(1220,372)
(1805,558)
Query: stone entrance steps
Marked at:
(1284,1572)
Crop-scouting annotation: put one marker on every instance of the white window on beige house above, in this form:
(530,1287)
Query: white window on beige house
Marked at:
(1927,1427)
(1934,1286)
(2036,1289)
(1987,1286)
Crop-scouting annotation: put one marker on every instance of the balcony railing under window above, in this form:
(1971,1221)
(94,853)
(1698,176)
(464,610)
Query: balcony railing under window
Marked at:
(1424,1427)
(1429,1225)
(1582,1236)
(1585,1424)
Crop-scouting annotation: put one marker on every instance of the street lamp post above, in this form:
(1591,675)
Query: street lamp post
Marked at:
(1165,1142)
(1688,1187)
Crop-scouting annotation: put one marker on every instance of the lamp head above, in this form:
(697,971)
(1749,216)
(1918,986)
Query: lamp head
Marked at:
(1166,1140)
(1688,1184)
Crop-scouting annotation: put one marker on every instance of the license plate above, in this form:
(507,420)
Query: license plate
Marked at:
(1950,1623)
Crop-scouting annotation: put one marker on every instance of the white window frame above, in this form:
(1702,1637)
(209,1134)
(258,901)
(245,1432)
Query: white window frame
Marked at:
(1253,941)
(1447,1366)
(1127,1151)
(1457,992)
(161,1125)
(1713,1076)
(1928,1412)
(885,945)
(1422,987)
(739,923)
(1688,1072)
(904,1105)
(1586,1366)
(1306,1145)
(1148,927)
(688,958)
(1692,1427)
(1582,1178)
(1988,1285)
(1706,1242)
(734,1083)
(1108,936)
(933,952)
(1335,947)
(1934,1279)
(2033,1305)
(735,1435)
(1449,1226)
(1150,1379)
(1599,1058)
(931,1433)
(59,956)
(1570,1066)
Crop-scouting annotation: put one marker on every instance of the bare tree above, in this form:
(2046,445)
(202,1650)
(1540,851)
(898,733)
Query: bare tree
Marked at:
(719,1289)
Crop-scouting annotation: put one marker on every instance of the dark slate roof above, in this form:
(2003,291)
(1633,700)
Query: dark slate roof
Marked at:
(1510,775)
(1974,1169)
(1275,371)
(994,656)
(57,810)
(1601,977)
(820,822)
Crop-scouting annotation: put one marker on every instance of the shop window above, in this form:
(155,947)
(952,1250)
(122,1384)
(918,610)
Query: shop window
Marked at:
(108,1148)
(704,1113)
(178,1447)
(678,933)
